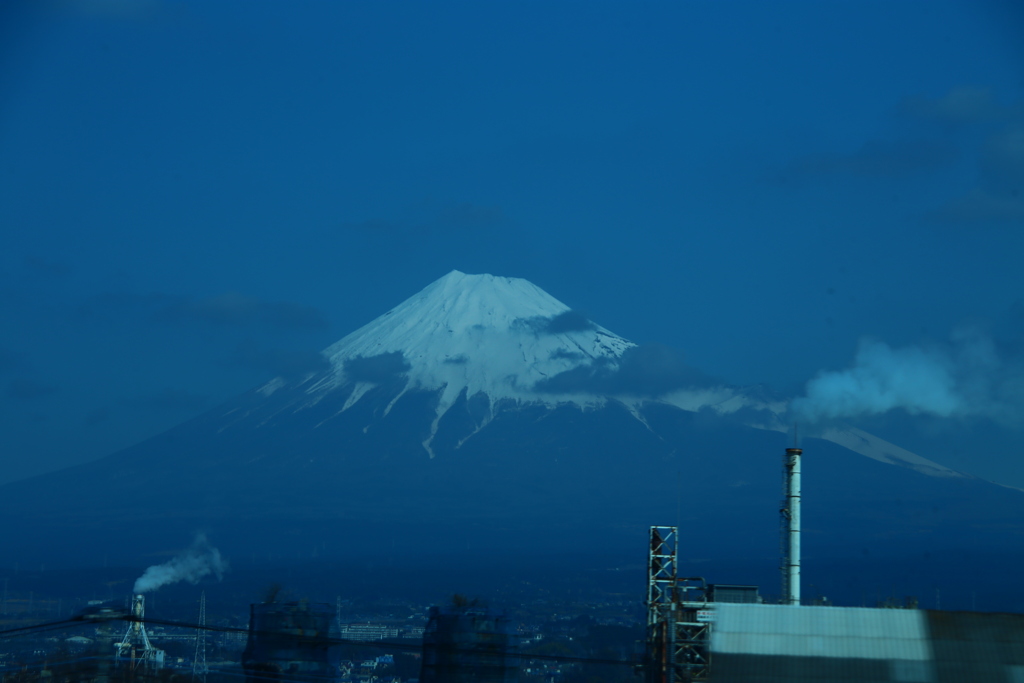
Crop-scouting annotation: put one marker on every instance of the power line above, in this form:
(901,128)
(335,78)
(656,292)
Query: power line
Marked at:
(50,625)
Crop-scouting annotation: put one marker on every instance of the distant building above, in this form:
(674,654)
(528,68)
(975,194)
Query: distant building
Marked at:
(469,643)
(368,631)
(290,641)
(721,592)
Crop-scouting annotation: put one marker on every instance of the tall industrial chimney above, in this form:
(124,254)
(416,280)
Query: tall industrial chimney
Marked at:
(791,528)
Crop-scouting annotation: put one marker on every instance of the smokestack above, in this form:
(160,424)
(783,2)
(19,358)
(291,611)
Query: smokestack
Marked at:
(138,611)
(791,528)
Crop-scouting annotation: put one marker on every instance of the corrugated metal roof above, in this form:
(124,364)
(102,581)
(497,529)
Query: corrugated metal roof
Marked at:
(847,632)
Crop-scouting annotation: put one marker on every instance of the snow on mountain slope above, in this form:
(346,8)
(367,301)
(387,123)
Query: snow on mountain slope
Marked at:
(875,448)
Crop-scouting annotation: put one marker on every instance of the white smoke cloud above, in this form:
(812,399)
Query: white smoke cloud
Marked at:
(197,562)
(967,377)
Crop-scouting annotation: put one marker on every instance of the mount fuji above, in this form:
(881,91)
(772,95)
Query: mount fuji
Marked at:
(501,343)
(484,416)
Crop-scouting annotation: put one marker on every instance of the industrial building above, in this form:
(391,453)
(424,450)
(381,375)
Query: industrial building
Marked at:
(727,634)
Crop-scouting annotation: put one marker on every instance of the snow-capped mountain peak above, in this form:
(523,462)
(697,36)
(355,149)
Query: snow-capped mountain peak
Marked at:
(498,336)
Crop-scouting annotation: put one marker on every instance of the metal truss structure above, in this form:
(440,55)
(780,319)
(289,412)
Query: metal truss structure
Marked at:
(679,620)
(135,649)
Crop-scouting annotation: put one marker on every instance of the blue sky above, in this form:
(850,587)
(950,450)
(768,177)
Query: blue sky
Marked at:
(198,195)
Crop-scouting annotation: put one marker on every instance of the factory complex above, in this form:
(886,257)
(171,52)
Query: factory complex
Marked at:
(694,630)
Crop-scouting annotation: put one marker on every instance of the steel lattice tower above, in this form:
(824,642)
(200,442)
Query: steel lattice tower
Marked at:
(678,618)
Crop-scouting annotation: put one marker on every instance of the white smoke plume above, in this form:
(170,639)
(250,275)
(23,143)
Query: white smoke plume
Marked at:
(197,562)
(967,377)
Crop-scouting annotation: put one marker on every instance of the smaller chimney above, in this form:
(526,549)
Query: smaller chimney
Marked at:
(791,528)
(137,627)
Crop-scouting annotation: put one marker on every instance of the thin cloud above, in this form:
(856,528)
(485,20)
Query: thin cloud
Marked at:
(230,309)
(962,105)
(47,268)
(466,216)
(980,206)
(1002,161)
(136,10)
(566,354)
(11,360)
(97,416)
(171,400)
(428,216)
(374,225)
(110,307)
(238,310)
(878,159)
(25,389)
(647,370)
(570,321)
(999,195)
(278,362)
(377,369)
